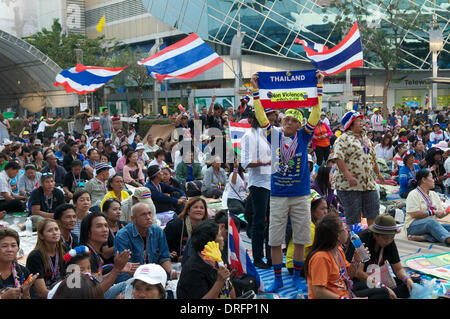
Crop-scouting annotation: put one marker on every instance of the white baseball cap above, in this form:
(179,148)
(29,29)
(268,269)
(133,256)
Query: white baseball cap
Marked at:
(151,274)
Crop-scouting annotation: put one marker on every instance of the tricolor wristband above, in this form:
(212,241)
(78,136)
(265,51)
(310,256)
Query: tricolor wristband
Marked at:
(342,297)
(319,89)
(255,94)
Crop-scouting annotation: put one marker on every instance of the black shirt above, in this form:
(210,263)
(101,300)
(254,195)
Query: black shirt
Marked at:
(176,235)
(390,252)
(111,237)
(22,275)
(113,158)
(48,205)
(71,181)
(216,122)
(35,264)
(196,279)
(70,243)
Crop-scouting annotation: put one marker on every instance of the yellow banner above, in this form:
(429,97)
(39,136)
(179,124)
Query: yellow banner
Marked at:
(288,96)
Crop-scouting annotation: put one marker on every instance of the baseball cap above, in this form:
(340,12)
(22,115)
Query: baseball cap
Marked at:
(151,274)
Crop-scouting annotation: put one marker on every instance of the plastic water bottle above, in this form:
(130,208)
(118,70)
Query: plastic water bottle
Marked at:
(300,295)
(359,247)
(29,226)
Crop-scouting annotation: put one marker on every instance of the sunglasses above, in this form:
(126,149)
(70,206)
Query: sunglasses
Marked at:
(47,174)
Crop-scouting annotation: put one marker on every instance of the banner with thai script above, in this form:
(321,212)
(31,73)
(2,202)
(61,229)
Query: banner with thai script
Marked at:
(288,89)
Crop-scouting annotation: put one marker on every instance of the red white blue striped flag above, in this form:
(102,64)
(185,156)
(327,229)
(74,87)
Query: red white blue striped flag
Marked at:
(348,54)
(238,257)
(85,79)
(182,60)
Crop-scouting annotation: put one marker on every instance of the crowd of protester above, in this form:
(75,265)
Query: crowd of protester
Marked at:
(119,210)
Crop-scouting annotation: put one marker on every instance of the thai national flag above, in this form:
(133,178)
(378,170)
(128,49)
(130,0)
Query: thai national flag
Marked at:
(237,130)
(238,257)
(183,60)
(314,46)
(85,79)
(346,55)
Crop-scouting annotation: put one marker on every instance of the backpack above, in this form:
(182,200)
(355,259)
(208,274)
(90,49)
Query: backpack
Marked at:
(244,283)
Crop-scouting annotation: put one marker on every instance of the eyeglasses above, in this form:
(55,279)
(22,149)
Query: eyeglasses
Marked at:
(47,174)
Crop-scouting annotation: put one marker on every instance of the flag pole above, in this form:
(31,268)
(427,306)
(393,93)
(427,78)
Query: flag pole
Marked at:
(228,239)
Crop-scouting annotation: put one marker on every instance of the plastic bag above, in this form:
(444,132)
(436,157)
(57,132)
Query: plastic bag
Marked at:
(427,290)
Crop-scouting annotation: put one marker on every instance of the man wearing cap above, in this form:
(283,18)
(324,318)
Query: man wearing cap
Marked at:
(146,241)
(140,195)
(437,135)
(407,173)
(81,119)
(377,121)
(59,133)
(379,239)
(162,194)
(356,160)
(290,181)
(272,116)
(97,186)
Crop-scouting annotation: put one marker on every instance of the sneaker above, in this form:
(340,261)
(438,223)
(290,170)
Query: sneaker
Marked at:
(261,264)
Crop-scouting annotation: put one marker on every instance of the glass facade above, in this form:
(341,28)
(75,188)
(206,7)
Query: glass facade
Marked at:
(271,26)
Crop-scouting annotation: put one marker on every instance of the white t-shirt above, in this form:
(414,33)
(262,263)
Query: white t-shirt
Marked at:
(155,162)
(447,170)
(415,202)
(384,153)
(237,191)
(42,126)
(5,186)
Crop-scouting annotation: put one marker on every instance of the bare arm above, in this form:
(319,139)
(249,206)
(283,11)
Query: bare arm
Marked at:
(211,105)
(36,210)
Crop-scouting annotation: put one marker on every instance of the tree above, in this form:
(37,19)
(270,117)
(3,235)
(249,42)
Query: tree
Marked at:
(60,47)
(134,75)
(382,34)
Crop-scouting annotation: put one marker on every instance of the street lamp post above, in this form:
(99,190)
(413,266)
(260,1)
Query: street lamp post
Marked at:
(436,45)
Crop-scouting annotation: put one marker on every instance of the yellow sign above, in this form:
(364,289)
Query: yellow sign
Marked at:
(288,96)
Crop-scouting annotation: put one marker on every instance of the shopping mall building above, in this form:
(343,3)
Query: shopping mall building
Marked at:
(269,27)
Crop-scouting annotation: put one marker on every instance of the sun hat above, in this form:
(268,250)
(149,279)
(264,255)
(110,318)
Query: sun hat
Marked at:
(7,142)
(376,109)
(315,195)
(267,111)
(26,133)
(140,146)
(442,145)
(297,114)
(37,142)
(349,117)
(151,274)
(384,224)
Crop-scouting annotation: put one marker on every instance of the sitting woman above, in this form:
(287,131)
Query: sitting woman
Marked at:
(82,202)
(384,149)
(322,185)
(112,209)
(215,180)
(66,218)
(327,270)
(319,209)
(397,161)
(168,179)
(15,279)
(132,171)
(201,278)
(160,156)
(179,229)
(435,164)
(407,175)
(47,258)
(115,186)
(237,196)
(379,239)
(423,208)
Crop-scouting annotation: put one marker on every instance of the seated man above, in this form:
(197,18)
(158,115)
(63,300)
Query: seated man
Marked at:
(44,199)
(75,179)
(97,186)
(57,171)
(147,242)
(90,163)
(29,181)
(161,191)
(9,201)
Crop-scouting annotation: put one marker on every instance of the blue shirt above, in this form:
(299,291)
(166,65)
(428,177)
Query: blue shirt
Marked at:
(157,250)
(190,177)
(405,175)
(297,180)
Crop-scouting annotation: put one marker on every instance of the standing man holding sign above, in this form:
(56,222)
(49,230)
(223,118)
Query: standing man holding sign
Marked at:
(290,179)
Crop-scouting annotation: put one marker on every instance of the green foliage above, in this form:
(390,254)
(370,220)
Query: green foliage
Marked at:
(61,47)
(135,74)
